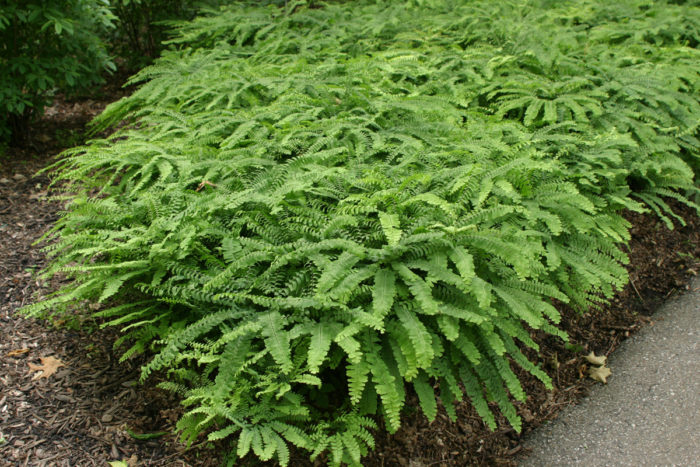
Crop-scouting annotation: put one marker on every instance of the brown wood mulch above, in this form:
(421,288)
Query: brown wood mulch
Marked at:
(84,413)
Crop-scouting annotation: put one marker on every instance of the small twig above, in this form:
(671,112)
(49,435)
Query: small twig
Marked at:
(33,444)
(98,438)
(205,183)
(635,289)
(46,459)
(515,450)
(619,328)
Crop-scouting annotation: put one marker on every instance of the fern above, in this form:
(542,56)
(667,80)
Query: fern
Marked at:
(305,209)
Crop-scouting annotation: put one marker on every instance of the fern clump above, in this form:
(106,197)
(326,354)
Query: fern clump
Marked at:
(313,209)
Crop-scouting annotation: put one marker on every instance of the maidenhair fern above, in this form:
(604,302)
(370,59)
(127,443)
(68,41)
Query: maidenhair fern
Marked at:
(311,211)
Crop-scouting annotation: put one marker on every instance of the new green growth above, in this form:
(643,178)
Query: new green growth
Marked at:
(312,211)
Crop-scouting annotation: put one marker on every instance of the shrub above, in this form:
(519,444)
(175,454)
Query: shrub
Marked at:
(310,213)
(143,26)
(47,45)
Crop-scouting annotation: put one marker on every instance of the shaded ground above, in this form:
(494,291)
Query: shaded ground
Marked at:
(80,416)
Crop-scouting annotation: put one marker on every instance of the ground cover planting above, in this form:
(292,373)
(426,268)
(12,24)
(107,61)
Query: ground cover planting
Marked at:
(312,211)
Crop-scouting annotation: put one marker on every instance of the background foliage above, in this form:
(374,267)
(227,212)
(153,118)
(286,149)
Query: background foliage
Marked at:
(47,45)
(315,210)
(143,26)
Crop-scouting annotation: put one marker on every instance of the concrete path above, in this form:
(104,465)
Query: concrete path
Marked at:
(649,412)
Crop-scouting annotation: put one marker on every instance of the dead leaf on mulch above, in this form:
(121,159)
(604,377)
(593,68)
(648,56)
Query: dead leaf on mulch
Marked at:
(48,367)
(600,373)
(130,462)
(595,360)
(17,352)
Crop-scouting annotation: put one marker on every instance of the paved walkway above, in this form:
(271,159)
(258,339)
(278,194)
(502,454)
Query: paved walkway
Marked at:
(649,412)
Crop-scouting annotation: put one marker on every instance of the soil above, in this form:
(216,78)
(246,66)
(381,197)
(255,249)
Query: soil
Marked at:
(88,412)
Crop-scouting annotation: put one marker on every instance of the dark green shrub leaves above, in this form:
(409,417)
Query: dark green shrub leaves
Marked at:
(47,45)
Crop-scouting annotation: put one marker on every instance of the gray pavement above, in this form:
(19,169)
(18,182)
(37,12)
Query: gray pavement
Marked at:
(649,412)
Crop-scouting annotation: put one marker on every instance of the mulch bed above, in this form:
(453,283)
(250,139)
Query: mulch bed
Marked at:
(82,414)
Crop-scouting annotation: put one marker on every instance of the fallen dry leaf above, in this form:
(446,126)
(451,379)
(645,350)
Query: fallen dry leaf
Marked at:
(130,462)
(48,367)
(14,353)
(595,360)
(600,373)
